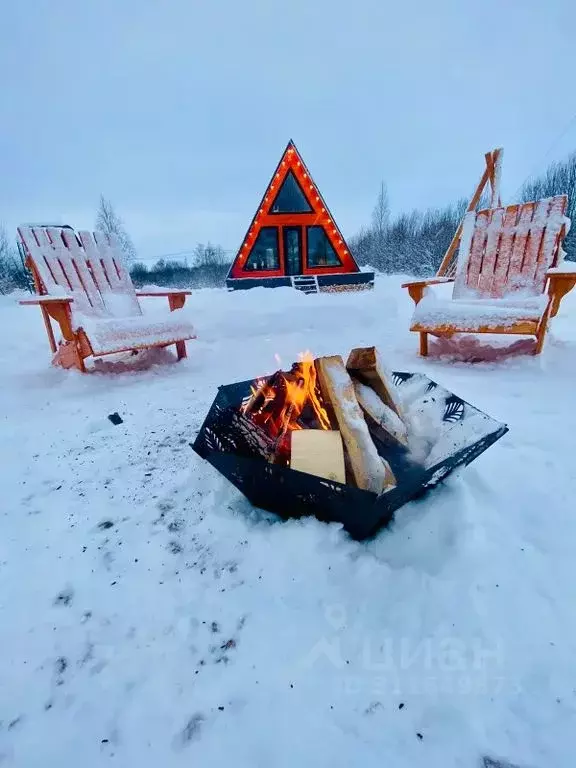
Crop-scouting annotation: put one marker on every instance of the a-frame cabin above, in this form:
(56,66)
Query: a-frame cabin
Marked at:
(293,239)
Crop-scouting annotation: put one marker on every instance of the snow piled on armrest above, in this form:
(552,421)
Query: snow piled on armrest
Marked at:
(565,268)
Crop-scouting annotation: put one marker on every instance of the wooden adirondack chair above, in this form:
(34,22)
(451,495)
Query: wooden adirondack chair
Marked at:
(83,285)
(508,276)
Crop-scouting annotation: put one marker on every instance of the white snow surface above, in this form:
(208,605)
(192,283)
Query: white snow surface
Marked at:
(150,617)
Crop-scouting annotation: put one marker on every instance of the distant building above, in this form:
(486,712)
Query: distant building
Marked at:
(293,239)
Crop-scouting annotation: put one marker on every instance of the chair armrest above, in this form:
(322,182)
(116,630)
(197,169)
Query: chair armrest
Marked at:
(176,297)
(567,269)
(416,288)
(47,300)
(429,281)
(562,281)
(175,292)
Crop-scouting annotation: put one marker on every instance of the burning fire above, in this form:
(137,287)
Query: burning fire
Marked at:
(277,403)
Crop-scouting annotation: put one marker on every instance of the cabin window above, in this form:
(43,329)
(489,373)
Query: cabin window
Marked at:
(320,250)
(265,253)
(290,197)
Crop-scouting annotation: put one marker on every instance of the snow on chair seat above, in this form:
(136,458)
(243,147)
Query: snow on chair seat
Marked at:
(114,335)
(432,314)
(83,284)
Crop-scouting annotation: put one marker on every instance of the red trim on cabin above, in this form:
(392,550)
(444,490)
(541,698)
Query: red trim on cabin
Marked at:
(319,216)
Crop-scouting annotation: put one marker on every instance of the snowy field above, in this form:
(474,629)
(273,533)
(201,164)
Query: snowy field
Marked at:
(150,618)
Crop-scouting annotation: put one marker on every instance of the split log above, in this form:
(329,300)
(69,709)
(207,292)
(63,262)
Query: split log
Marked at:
(318,452)
(263,396)
(369,471)
(365,364)
(386,419)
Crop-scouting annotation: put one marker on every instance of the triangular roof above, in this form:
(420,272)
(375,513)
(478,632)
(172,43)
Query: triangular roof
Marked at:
(293,199)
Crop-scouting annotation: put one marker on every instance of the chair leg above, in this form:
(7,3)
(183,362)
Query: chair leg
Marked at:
(542,329)
(68,356)
(540,336)
(181,349)
(423,343)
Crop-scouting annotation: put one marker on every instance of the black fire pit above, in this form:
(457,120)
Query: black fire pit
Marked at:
(463,433)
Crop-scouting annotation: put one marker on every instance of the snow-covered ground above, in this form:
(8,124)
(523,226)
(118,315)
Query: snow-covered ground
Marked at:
(150,617)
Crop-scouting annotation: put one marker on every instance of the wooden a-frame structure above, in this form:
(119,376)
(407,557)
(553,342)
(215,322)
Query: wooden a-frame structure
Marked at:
(293,238)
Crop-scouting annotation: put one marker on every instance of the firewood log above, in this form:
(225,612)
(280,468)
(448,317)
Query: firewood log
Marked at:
(318,452)
(387,419)
(369,470)
(365,364)
(256,439)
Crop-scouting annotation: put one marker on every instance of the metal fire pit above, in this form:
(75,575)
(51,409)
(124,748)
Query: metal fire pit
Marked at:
(465,433)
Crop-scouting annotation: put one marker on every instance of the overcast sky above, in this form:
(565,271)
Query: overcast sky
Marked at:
(178,110)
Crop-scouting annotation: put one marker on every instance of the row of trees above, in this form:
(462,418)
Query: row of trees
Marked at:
(13,273)
(209,262)
(411,243)
(414,243)
(558,179)
(208,270)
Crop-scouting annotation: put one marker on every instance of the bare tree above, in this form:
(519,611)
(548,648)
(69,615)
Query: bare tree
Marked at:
(381,213)
(413,243)
(210,255)
(107,220)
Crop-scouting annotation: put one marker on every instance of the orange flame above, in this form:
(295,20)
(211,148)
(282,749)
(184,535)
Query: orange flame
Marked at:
(308,372)
(299,390)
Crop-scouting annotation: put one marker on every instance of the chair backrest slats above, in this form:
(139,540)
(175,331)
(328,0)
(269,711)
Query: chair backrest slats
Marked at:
(35,246)
(510,249)
(519,247)
(554,232)
(504,251)
(493,237)
(104,256)
(477,249)
(86,296)
(89,268)
(99,255)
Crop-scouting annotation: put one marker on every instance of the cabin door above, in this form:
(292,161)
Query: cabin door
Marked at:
(293,250)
